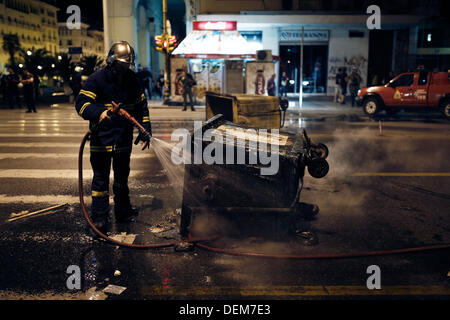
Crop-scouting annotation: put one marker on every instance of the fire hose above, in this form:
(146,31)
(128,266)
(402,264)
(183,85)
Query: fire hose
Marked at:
(197,241)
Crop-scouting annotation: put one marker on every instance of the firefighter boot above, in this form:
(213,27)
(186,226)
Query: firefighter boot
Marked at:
(102,224)
(100,214)
(124,212)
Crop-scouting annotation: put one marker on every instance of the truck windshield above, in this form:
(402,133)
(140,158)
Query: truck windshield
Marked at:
(404,81)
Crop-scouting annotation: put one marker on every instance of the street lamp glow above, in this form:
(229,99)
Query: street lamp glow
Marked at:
(53,65)
(20,65)
(59,58)
(29,53)
(39,67)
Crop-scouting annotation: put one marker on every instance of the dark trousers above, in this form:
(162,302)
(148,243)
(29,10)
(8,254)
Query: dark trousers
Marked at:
(148,90)
(187,93)
(13,99)
(354,93)
(101,165)
(30,101)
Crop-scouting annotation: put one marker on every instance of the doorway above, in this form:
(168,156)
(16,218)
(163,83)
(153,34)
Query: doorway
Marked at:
(315,67)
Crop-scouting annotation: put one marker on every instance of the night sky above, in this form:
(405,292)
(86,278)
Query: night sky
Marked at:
(91,11)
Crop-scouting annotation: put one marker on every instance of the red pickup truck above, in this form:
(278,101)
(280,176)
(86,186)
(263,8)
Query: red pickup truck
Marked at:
(411,90)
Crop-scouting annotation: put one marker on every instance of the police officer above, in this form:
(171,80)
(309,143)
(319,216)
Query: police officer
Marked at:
(111,138)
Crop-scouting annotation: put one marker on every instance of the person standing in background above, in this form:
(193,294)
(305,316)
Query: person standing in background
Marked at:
(36,85)
(283,84)
(354,80)
(187,81)
(271,87)
(147,78)
(29,91)
(337,88)
(12,88)
(3,86)
(341,80)
(75,82)
(160,83)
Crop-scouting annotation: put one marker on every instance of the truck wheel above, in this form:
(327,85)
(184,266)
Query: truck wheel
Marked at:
(371,106)
(446,109)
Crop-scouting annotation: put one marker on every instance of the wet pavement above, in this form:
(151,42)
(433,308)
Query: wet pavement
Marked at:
(388,188)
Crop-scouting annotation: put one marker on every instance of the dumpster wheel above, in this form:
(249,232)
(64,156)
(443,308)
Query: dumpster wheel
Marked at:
(198,241)
(318,168)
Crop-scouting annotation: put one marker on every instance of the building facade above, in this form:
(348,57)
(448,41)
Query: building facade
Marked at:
(34,22)
(81,42)
(334,34)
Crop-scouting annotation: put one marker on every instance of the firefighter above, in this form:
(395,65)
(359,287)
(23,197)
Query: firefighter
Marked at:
(111,138)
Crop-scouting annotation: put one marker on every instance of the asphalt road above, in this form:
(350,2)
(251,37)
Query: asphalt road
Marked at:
(388,188)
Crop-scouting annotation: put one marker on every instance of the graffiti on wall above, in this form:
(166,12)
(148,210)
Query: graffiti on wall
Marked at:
(360,62)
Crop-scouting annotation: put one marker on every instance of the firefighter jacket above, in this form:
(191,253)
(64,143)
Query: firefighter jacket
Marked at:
(97,95)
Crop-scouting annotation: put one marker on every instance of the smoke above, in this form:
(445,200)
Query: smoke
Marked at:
(365,150)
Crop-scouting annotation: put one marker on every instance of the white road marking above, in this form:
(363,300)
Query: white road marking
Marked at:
(4,156)
(54,174)
(52,198)
(57,135)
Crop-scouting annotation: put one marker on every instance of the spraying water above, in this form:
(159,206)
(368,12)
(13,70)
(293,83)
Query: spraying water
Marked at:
(175,173)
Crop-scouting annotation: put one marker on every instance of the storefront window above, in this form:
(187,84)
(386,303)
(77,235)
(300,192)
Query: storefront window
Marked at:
(314,67)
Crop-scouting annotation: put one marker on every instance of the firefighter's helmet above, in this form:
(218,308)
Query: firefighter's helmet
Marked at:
(121,51)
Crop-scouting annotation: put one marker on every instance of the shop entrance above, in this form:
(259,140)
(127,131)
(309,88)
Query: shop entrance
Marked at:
(315,67)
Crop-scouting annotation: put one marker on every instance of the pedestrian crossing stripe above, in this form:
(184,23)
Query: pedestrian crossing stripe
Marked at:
(56,174)
(55,156)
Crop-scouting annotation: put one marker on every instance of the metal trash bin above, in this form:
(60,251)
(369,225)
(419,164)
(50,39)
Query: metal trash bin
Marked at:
(250,110)
(240,190)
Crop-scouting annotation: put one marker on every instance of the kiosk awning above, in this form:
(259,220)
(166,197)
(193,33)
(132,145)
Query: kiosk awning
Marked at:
(214,44)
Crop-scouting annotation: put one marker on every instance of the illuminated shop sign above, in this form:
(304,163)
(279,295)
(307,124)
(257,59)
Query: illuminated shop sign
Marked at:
(215,25)
(309,35)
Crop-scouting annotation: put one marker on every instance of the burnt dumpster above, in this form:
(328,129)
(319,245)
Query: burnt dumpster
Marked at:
(249,110)
(249,178)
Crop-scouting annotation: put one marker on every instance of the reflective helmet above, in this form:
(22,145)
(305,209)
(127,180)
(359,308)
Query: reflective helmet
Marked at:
(121,51)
